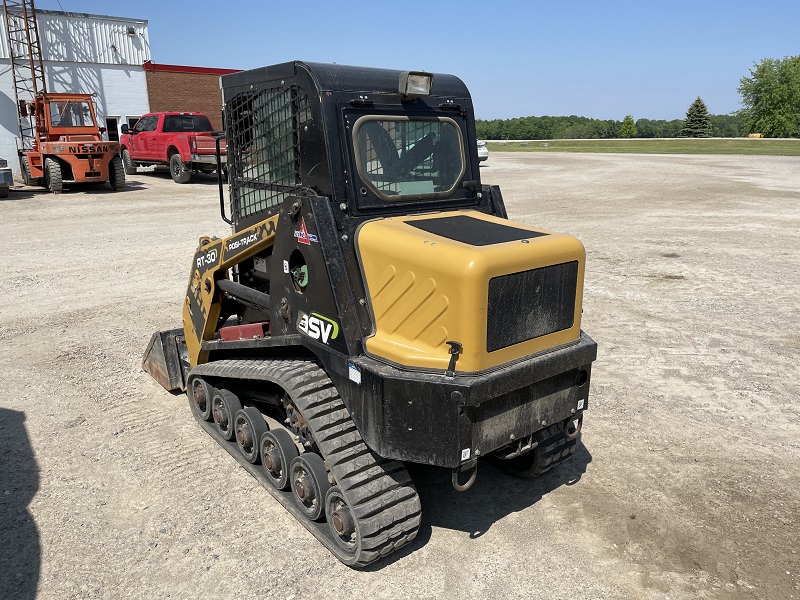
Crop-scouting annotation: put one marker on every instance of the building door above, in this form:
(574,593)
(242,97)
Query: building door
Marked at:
(112,127)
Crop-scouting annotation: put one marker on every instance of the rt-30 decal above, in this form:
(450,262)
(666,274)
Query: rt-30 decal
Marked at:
(303,236)
(317,326)
(209,258)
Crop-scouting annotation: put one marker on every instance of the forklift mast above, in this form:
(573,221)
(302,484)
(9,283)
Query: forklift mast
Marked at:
(27,69)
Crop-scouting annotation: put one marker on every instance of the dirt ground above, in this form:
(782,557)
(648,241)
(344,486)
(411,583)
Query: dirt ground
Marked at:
(685,484)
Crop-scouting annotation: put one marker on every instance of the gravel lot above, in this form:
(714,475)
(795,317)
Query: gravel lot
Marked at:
(685,485)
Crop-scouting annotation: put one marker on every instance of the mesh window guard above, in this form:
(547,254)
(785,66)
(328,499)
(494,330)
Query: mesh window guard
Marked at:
(263,148)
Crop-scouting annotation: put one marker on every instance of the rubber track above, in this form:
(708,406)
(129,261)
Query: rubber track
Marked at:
(555,447)
(379,491)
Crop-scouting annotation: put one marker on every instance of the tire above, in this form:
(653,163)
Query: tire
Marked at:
(52,176)
(224,407)
(127,162)
(249,426)
(116,174)
(3,191)
(279,449)
(26,173)
(178,170)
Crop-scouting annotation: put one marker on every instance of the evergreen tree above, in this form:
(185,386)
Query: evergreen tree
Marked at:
(628,127)
(698,123)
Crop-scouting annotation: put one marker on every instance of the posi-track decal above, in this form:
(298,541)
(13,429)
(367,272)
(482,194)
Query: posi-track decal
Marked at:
(238,244)
(241,242)
(317,327)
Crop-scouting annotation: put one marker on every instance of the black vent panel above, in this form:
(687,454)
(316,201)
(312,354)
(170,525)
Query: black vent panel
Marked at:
(530,304)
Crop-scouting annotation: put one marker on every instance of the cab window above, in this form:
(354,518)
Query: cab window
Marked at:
(178,123)
(148,123)
(401,158)
(71,114)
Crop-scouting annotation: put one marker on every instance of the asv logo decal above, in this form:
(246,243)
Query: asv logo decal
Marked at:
(303,236)
(317,327)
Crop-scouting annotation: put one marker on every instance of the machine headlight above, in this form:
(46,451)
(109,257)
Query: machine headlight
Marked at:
(415,83)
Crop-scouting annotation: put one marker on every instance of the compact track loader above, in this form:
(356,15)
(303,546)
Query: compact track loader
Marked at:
(373,305)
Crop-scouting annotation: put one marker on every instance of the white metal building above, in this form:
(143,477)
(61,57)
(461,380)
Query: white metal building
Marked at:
(83,54)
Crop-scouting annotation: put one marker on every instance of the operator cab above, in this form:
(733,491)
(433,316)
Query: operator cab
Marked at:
(374,141)
(66,117)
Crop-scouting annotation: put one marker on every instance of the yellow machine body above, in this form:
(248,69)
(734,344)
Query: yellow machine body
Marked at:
(426,289)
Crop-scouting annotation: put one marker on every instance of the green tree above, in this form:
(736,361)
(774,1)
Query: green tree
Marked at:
(726,126)
(628,127)
(698,123)
(771,97)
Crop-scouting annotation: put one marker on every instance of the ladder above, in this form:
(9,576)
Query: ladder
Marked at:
(25,52)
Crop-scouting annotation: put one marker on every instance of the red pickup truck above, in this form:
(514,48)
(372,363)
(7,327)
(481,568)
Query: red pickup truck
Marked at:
(184,141)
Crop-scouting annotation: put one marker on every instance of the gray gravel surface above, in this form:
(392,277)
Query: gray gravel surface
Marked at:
(685,484)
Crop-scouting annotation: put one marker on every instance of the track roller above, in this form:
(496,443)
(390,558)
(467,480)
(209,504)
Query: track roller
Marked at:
(225,405)
(342,523)
(200,394)
(309,479)
(249,426)
(277,453)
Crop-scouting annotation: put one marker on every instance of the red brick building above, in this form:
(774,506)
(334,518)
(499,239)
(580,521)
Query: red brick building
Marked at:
(180,88)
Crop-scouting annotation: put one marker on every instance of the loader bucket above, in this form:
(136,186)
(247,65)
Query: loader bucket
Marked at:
(165,359)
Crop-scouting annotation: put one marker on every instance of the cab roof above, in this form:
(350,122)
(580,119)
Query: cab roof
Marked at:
(344,78)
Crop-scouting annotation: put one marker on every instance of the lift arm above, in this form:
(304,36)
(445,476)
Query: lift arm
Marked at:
(211,262)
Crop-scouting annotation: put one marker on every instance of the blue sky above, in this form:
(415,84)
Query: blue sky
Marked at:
(597,59)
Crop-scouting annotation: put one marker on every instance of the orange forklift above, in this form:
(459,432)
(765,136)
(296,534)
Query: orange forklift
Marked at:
(67,144)
(60,137)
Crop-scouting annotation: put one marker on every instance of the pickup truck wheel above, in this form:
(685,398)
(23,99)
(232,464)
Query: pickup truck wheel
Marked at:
(178,170)
(127,161)
(52,175)
(116,174)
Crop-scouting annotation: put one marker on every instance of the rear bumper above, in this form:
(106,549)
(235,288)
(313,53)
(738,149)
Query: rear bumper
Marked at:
(447,421)
(208,159)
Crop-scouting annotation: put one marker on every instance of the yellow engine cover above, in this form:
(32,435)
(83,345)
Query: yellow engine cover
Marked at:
(428,279)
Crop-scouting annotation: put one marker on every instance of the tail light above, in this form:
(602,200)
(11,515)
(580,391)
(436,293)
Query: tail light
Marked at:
(193,144)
